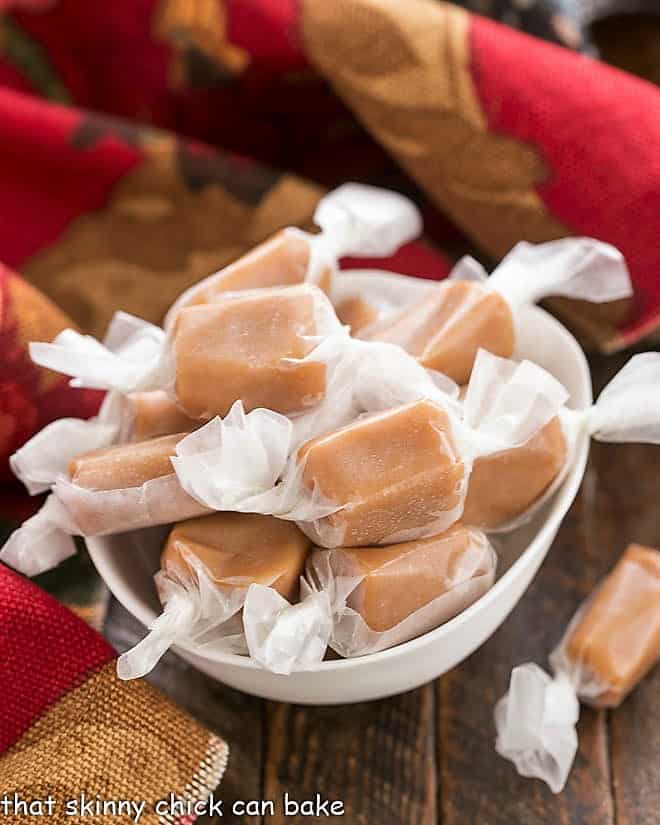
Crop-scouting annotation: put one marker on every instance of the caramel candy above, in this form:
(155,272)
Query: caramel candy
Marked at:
(282,260)
(504,485)
(400,579)
(356,313)
(616,639)
(445,328)
(124,465)
(239,549)
(151,414)
(248,347)
(392,473)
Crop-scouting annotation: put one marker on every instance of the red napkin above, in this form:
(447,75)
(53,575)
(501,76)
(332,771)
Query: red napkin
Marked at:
(70,730)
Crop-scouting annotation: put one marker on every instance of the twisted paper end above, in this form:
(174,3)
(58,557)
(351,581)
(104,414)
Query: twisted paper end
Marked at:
(628,409)
(362,220)
(535,724)
(42,542)
(282,637)
(130,358)
(582,268)
(176,620)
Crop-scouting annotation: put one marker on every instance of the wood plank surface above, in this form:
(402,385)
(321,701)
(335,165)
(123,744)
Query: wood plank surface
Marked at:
(626,509)
(376,757)
(477,785)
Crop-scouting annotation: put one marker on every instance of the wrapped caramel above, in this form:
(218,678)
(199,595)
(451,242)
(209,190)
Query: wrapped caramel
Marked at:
(252,346)
(505,488)
(366,599)
(382,596)
(390,475)
(446,327)
(207,567)
(131,486)
(356,313)
(610,644)
(109,490)
(267,347)
(354,219)
(121,419)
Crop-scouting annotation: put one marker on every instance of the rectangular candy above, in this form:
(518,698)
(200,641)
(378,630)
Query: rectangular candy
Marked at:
(506,484)
(239,549)
(445,328)
(381,597)
(124,465)
(152,414)
(250,347)
(125,487)
(392,474)
(398,580)
(615,639)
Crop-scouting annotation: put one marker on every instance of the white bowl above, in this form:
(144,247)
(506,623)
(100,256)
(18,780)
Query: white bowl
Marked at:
(128,561)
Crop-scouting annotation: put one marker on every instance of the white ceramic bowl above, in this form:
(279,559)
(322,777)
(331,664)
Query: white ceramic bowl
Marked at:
(128,561)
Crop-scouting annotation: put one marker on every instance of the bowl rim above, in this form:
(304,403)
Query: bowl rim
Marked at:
(560,505)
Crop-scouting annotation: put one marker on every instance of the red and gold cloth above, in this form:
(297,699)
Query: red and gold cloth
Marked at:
(500,136)
(503,135)
(69,727)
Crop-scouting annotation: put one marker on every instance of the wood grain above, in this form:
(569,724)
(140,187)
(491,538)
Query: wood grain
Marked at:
(479,786)
(625,510)
(476,784)
(376,757)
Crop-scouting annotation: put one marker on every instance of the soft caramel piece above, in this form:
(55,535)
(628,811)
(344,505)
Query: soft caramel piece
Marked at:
(504,485)
(445,328)
(402,578)
(238,549)
(392,472)
(356,313)
(617,637)
(152,414)
(125,465)
(242,348)
(280,261)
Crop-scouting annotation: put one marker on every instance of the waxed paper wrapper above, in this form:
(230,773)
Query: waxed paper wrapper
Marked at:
(355,220)
(627,411)
(578,268)
(536,720)
(197,612)
(351,636)
(236,616)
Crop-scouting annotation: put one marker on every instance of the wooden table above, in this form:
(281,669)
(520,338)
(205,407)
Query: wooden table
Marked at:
(427,756)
